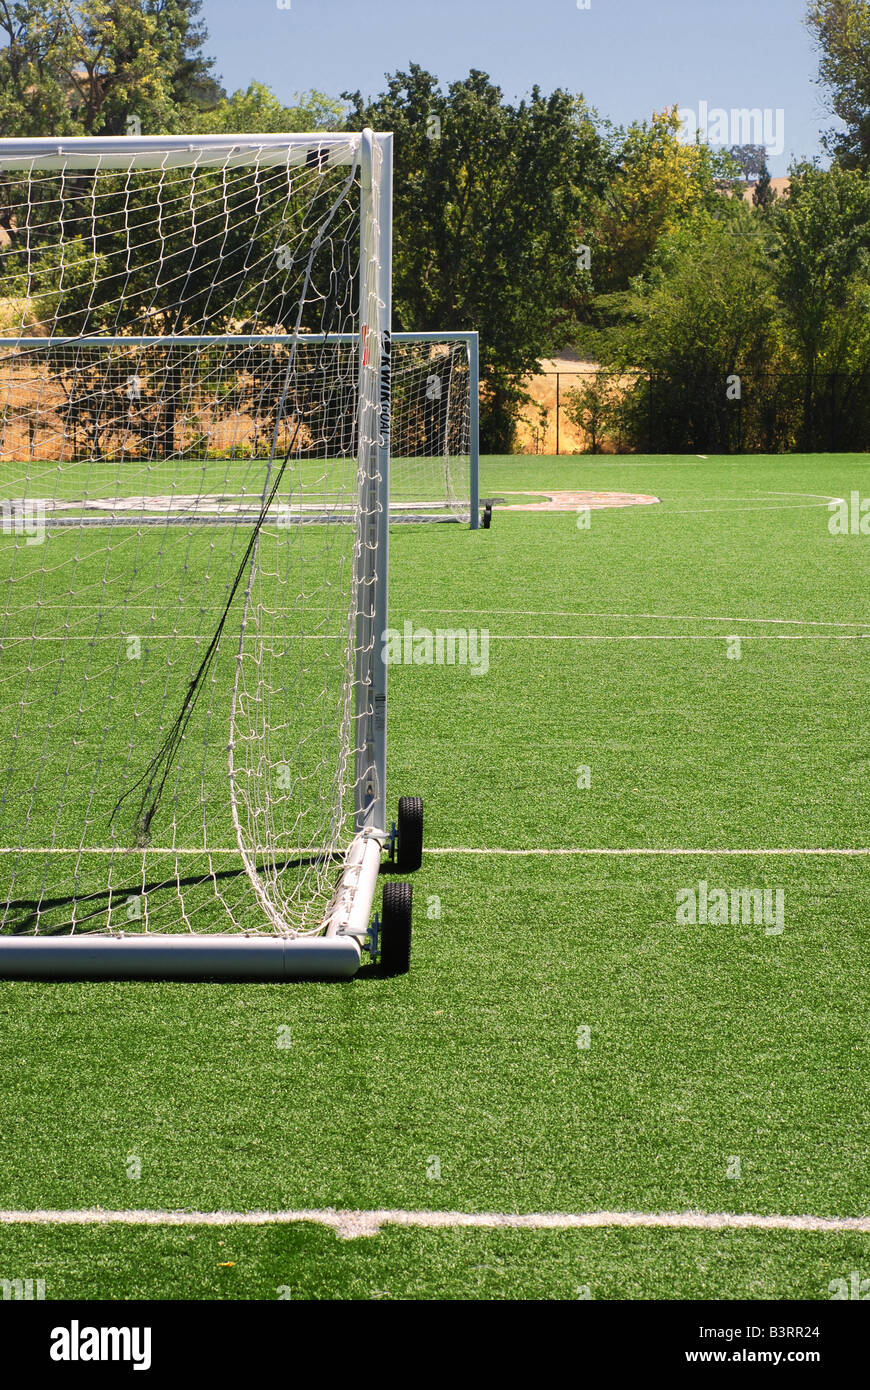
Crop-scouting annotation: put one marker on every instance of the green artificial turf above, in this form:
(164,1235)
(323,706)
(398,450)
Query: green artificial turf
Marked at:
(291,1263)
(611,661)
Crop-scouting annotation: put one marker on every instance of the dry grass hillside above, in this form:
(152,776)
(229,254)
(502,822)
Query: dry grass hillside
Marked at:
(550,391)
(537,431)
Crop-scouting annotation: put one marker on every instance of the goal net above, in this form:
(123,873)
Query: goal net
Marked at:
(175,397)
(434,447)
(194,436)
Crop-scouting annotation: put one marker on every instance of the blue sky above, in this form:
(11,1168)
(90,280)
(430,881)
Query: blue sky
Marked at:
(627,57)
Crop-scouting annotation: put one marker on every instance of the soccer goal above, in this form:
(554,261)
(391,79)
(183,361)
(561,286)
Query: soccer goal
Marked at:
(434,464)
(168,395)
(195,385)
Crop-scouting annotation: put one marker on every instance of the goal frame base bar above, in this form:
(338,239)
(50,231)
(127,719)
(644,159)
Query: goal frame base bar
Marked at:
(334,955)
(181,957)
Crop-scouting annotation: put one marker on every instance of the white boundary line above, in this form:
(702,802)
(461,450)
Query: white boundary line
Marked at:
(350,1224)
(679,637)
(121,853)
(493,637)
(711,853)
(660,617)
(775,507)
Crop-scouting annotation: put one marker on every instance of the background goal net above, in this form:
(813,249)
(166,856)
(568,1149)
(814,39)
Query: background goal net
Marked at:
(216,403)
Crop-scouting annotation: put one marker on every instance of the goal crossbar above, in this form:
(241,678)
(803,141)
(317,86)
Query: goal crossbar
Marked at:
(160,152)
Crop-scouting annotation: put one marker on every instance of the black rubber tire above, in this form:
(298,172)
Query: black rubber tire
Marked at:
(396,928)
(487,517)
(409,827)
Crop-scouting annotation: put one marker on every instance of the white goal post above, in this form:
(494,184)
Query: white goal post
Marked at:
(194,697)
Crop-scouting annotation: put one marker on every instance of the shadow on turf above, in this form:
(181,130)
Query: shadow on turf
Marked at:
(32,908)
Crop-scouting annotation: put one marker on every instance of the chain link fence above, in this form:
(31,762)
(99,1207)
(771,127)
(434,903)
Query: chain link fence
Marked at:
(749,412)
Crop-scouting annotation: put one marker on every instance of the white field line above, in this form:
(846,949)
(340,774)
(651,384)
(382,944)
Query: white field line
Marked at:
(765,507)
(485,613)
(630,852)
(679,637)
(658,617)
(711,853)
(121,637)
(349,1224)
(493,637)
(825,501)
(754,497)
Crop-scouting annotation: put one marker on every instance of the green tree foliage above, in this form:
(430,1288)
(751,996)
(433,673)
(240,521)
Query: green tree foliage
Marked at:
(488,200)
(707,311)
(33,98)
(237,272)
(257,108)
(595,408)
(763,196)
(842,32)
(86,68)
(751,160)
(822,276)
(656,182)
(822,255)
(708,295)
(780,301)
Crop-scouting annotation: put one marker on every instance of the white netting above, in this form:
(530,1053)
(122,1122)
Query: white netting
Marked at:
(431,428)
(182,537)
(230,398)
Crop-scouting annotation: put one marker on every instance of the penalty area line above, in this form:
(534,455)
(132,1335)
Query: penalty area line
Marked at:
(350,1224)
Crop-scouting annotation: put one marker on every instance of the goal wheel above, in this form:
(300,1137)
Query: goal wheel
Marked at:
(487,516)
(395,933)
(409,828)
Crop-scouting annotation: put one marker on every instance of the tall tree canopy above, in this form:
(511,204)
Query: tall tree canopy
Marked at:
(257,108)
(822,268)
(489,197)
(842,32)
(88,67)
(657,181)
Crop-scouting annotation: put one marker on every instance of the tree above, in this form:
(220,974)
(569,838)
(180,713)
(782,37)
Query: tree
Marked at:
(257,108)
(488,198)
(657,182)
(708,312)
(763,196)
(708,295)
(594,408)
(841,29)
(823,242)
(88,68)
(751,160)
(37,49)
(822,268)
